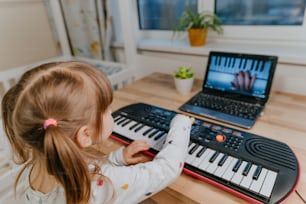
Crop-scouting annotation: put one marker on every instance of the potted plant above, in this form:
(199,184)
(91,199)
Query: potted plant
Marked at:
(197,25)
(183,79)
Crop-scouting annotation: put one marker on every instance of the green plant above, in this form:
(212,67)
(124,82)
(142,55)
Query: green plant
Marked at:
(184,72)
(190,20)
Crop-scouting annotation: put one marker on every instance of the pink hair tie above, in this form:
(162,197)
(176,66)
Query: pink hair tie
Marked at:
(49,122)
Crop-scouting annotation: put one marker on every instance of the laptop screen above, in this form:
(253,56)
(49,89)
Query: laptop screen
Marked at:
(243,74)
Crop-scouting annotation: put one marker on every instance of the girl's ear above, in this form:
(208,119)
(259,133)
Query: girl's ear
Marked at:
(83,138)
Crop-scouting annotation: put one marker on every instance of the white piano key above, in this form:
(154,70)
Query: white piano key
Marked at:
(198,160)
(268,184)
(221,169)
(160,142)
(191,157)
(205,161)
(237,177)
(213,166)
(117,118)
(228,174)
(256,184)
(247,180)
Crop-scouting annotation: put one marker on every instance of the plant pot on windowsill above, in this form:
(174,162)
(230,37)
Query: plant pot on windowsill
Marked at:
(194,22)
(183,80)
(197,36)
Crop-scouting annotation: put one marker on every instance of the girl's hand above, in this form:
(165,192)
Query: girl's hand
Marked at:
(132,155)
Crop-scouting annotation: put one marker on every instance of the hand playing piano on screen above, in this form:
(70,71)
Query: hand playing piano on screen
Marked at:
(132,153)
(243,81)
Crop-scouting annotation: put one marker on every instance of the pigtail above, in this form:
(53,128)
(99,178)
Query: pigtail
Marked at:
(65,162)
(20,150)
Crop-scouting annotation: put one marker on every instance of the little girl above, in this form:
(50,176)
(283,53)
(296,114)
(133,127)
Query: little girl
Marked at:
(54,116)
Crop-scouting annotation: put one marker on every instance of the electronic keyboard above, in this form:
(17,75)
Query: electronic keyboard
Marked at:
(255,168)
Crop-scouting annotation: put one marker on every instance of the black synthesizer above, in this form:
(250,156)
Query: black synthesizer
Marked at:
(255,168)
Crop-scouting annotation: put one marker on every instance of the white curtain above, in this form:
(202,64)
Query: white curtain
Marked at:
(89,28)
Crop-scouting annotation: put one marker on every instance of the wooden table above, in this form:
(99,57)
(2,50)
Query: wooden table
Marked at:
(284,119)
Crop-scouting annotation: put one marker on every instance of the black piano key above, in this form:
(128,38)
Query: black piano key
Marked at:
(199,154)
(240,64)
(121,121)
(244,63)
(139,128)
(255,65)
(193,149)
(213,157)
(153,133)
(219,60)
(233,62)
(133,126)
(237,165)
(262,67)
(230,62)
(257,172)
(118,118)
(222,160)
(258,65)
(127,122)
(160,134)
(247,169)
(225,62)
(147,131)
(252,65)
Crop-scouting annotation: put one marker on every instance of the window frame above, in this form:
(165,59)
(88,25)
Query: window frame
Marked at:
(266,33)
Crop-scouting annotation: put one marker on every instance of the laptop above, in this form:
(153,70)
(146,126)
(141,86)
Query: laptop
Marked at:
(235,89)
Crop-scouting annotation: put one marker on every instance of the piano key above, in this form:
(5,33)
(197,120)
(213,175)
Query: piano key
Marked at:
(133,125)
(268,184)
(192,156)
(159,135)
(202,150)
(121,120)
(213,157)
(158,145)
(237,177)
(257,172)
(233,62)
(247,180)
(153,133)
(194,148)
(228,174)
(213,166)
(237,165)
(127,122)
(205,161)
(223,159)
(221,169)
(256,184)
(147,131)
(117,118)
(139,127)
(197,162)
(247,169)
(240,63)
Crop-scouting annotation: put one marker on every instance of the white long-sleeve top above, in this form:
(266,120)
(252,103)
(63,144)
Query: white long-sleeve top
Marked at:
(133,183)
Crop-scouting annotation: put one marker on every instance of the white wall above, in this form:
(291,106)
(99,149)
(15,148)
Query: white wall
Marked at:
(25,35)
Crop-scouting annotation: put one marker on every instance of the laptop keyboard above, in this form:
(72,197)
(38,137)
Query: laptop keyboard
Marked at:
(229,106)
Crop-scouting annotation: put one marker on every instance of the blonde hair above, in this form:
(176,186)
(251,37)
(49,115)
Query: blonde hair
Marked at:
(74,94)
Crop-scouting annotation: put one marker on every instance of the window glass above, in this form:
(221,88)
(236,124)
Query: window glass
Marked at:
(162,14)
(260,12)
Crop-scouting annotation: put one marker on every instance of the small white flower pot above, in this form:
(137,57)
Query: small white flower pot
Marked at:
(183,86)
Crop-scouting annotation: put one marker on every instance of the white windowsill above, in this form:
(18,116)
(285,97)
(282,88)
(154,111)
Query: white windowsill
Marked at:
(288,53)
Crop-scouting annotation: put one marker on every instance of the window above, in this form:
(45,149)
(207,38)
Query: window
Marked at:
(260,12)
(162,14)
(277,21)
